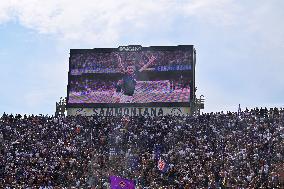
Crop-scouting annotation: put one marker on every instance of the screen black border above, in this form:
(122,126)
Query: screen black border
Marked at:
(152,104)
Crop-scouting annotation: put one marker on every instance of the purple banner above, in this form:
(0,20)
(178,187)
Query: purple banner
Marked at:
(121,183)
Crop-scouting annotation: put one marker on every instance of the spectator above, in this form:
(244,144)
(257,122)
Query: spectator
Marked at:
(211,150)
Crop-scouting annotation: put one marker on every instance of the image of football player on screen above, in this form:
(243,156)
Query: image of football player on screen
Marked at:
(126,86)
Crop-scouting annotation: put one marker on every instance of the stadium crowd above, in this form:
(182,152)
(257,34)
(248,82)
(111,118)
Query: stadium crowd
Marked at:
(87,85)
(81,85)
(108,62)
(217,150)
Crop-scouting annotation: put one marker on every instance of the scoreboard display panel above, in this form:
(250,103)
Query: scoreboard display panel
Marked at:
(130,75)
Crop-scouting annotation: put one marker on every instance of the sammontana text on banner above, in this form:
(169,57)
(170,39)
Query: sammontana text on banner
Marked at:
(130,111)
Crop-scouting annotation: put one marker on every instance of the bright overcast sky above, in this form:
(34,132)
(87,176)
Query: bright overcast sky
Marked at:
(239,44)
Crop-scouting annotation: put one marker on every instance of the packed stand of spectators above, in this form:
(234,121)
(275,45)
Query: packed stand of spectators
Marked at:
(92,61)
(217,150)
(108,62)
(88,85)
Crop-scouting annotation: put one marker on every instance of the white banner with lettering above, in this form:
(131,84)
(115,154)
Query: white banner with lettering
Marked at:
(130,111)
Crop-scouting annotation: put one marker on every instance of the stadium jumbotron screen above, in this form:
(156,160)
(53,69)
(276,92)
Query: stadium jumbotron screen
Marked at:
(126,76)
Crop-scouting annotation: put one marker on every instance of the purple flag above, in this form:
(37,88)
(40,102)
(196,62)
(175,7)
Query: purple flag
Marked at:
(121,183)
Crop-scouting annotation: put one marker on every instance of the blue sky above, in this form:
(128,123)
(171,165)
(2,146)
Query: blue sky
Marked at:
(239,45)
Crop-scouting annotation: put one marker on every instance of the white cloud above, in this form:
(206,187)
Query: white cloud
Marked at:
(245,32)
(5,11)
(107,21)
(215,12)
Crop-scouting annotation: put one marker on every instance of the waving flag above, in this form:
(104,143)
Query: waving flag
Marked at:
(162,165)
(121,183)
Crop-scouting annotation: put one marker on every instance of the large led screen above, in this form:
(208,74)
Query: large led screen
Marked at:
(145,76)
